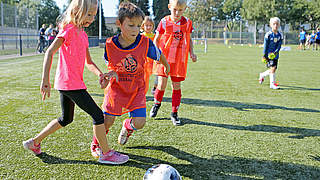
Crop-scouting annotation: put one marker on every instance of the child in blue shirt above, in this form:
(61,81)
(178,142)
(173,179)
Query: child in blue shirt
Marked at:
(271,48)
(302,40)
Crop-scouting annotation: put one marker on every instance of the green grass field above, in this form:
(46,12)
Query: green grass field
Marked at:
(232,127)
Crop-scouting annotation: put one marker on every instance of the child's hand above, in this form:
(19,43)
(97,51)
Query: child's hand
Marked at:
(106,77)
(193,57)
(45,90)
(103,83)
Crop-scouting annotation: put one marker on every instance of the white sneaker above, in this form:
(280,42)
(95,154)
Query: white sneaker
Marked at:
(261,79)
(274,86)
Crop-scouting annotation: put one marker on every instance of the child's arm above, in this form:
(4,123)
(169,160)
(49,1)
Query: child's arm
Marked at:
(94,68)
(156,39)
(192,55)
(165,63)
(45,83)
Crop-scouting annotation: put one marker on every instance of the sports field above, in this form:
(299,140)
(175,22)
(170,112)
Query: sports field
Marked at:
(232,127)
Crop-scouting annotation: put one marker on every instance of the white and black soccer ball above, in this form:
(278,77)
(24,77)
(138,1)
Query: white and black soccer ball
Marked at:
(162,172)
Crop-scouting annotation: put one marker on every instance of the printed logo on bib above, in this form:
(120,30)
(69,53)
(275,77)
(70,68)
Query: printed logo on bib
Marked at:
(178,35)
(130,64)
(275,40)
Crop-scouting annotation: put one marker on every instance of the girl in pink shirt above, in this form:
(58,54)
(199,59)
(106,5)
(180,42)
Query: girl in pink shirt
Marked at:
(72,42)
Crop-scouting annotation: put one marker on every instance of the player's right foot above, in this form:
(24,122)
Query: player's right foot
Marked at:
(261,79)
(154,110)
(113,157)
(29,145)
(95,150)
(174,118)
(124,135)
(274,86)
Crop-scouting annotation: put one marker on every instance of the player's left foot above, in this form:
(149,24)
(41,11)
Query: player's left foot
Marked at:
(261,79)
(153,90)
(175,120)
(124,135)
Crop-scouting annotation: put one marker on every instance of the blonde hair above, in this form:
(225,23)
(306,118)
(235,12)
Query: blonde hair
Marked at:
(76,12)
(147,19)
(178,2)
(274,19)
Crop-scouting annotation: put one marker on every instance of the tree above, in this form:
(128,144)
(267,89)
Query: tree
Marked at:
(231,12)
(142,4)
(48,12)
(160,9)
(314,13)
(93,29)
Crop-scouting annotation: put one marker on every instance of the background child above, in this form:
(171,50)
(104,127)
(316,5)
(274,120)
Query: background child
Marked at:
(317,38)
(302,39)
(126,54)
(173,38)
(271,48)
(147,27)
(312,40)
(73,55)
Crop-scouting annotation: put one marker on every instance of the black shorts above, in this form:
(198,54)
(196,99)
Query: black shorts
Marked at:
(318,41)
(82,99)
(272,63)
(302,41)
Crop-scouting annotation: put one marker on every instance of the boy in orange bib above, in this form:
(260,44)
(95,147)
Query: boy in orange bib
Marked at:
(126,55)
(173,38)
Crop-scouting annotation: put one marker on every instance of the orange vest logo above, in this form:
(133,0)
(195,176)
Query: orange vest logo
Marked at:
(178,35)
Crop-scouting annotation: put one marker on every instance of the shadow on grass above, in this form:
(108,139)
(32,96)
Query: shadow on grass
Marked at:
(300,132)
(237,105)
(286,87)
(49,159)
(221,166)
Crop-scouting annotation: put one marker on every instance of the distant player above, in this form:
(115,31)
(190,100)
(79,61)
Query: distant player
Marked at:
(302,40)
(271,48)
(312,40)
(317,38)
(126,54)
(173,37)
(147,27)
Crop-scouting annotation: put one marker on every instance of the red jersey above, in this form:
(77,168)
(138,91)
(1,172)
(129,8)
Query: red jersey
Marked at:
(127,94)
(174,44)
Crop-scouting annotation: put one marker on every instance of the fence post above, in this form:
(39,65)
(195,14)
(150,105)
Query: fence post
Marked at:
(20,44)
(2,42)
(2,18)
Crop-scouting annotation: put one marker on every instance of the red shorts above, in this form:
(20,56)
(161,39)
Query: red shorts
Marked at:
(176,79)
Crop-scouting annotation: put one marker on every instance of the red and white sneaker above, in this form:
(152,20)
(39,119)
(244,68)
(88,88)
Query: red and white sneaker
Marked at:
(261,79)
(124,135)
(113,157)
(29,145)
(95,150)
(274,86)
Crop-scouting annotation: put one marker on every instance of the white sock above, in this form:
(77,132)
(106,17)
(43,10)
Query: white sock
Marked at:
(264,74)
(272,78)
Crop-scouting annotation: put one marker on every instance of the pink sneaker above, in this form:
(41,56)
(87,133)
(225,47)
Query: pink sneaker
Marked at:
(95,150)
(113,157)
(29,145)
(124,135)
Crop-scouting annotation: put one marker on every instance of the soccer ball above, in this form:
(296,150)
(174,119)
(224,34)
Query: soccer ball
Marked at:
(162,172)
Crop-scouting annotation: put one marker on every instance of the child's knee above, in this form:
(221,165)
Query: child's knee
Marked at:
(139,122)
(64,121)
(108,121)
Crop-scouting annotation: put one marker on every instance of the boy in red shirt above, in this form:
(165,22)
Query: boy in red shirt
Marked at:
(126,55)
(173,38)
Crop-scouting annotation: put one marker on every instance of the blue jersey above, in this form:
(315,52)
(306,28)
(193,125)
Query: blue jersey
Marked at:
(153,52)
(313,38)
(302,35)
(318,35)
(272,44)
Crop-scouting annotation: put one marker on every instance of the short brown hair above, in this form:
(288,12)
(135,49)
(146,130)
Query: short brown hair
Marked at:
(129,10)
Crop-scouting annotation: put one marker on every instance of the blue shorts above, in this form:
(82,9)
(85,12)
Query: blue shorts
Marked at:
(142,112)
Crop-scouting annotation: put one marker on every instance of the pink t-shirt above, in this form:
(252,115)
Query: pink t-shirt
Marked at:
(72,55)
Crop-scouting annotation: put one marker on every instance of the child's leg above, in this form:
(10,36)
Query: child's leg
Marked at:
(158,95)
(176,96)
(108,122)
(136,121)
